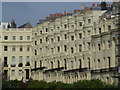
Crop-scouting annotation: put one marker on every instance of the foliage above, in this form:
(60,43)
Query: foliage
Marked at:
(91,84)
(36,84)
(13,84)
(56,85)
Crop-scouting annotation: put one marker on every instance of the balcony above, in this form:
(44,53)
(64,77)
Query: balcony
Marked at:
(27,64)
(111,69)
(54,69)
(13,65)
(20,65)
(76,70)
(95,71)
(39,68)
(5,65)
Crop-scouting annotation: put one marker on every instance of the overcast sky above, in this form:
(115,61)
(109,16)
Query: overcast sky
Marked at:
(23,12)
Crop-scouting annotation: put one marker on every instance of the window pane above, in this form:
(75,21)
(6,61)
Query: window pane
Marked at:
(28,48)
(5,37)
(5,48)
(28,37)
(13,48)
(21,38)
(20,59)
(28,59)
(72,65)
(21,49)
(13,60)
(13,73)
(13,37)
(20,73)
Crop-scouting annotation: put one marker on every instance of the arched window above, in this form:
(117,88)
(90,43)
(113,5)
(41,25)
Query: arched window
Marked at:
(58,48)
(89,63)
(20,59)
(40,63)
(51,65)
(65,64)
(28,61)
(99,63)
(80,63)
(58,63)
(72,50)
(72,65)
(21,48)
(35,64)
(13,60)
(109,62)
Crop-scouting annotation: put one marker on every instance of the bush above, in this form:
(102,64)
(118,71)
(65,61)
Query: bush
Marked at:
(36,84)
(91,84)
(13,84)
(57,85)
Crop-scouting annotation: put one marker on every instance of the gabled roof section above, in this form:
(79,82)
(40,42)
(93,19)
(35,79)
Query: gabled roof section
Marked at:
(26,25)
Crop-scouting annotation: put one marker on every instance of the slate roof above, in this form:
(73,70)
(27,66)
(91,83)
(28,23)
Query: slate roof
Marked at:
(26,25)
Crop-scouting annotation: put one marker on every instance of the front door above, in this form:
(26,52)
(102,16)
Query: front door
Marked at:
(27,73)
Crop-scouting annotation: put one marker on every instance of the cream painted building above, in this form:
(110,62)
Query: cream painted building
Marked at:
(105,42)
(68,47)
(16,53)
(77,46)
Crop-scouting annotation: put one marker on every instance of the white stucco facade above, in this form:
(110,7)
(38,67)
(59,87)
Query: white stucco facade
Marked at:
(16,53)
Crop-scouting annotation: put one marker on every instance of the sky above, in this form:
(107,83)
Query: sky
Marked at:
(23,12)
(0,10)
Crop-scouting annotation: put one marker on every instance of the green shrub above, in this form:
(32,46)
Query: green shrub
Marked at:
(57,85)
(36,84)
(91,84)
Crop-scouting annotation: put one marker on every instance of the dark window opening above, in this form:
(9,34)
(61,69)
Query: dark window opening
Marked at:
(89,63)
(65,64)
(80,23)
(80,63)
(5,48)
(72,50)
(35,52)
(27,73)
(65,26)
(58,64)
(40,63)
(109,62)
(99,30)
(35,64)
(51,65)
(5,37)
(5,62)
(65,48)
(35,42)
(65,36)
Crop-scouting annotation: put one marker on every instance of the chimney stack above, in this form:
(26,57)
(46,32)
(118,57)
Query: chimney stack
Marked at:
(83,6)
